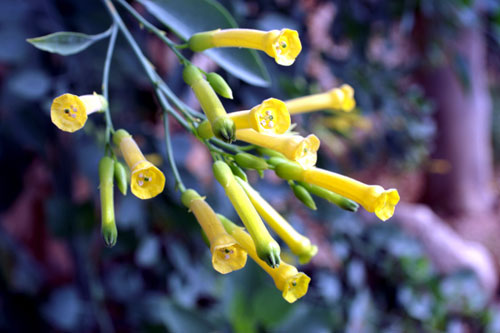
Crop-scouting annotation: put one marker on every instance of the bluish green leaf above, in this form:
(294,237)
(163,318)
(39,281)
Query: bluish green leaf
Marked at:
(66,43)
(188,17)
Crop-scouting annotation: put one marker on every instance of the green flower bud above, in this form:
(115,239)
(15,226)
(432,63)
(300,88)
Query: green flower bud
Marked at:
(108,226)
(223,127)
(332,197)
(303,195)
(220,85)
(250,161)
(275,160)
(237,171)
(121,177)
(269,152)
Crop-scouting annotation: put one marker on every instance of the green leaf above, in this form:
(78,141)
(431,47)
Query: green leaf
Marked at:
(66,43)
(188,17)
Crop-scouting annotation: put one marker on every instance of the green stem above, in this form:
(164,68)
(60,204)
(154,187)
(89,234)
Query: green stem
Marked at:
(154,30)
(152,75)
(105,79)
(170,154)
(228,146)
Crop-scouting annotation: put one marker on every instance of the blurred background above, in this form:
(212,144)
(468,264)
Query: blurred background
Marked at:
(427,83)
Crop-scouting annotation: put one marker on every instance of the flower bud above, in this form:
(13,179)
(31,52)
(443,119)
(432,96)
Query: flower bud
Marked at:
(303,195)
(237,171)
(121,177)
(108,226)
(249,161)
(332,197)
(220,85)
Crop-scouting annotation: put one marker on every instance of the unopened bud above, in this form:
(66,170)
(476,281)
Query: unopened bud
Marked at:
(237,171)
(108,226)
(121,177)
(303,195)
(249,161)
(220,85)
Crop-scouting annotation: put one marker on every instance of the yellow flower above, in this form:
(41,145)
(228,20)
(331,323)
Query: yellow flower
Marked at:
(283,45)
(267,248)
(292,283)
(147,181)
(294,147)
(372,197)
(299,244)
(271,116)
(338,99)
(227,254)
(69,112)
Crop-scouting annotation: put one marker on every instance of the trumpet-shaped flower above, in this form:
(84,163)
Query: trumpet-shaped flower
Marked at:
(372,197)
(338,99)
(227,254)
(299,244)
(147,181)
(69,112)
(283,45)
(271,116)
(267,248)
(292,283)
(294,147)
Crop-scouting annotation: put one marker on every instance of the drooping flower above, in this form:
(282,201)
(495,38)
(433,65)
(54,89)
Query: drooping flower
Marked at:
(147,181)
(108,225)
(220,123)
(227,254)
(294,147)
(299,244)
(69,112)
(337,99)
(267,248)
(292,283)
(282,45)
(372,197)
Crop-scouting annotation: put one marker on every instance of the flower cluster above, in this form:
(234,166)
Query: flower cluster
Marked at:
(266,130)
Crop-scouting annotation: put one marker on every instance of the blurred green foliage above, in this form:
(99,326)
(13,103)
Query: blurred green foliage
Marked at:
(158,277)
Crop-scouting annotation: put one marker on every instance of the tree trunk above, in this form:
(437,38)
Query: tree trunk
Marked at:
(463,143)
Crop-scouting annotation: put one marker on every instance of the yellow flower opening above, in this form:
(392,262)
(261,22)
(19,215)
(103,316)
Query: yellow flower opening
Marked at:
(69,112)
(299,244)
(147,181)
(292,283)
(283,45)
(337,99)
(271,116)
(294,147)
(227,254)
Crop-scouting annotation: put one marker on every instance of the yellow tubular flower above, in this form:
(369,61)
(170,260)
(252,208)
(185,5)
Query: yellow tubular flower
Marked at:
(147,181)
(372,197)
(227,254)
(300,245)
(69,112)
(271,116)
(292,283)
(267,248)
(283,45)
(294,147)
(338,99)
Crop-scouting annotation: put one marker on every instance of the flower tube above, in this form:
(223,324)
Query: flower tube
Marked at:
(300,245)
(338,99)
(227,254)
(69,112)
(271,116)
(282,45)
(294,147)
(292,283)
(223,127)
(372,197)
(267,248)
(147,181)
